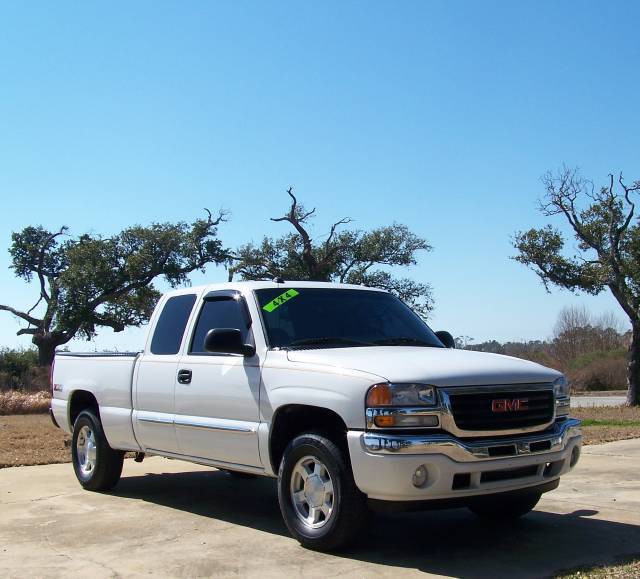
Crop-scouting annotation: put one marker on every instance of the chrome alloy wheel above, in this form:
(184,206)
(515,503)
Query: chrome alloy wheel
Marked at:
(312,492)
(86,450)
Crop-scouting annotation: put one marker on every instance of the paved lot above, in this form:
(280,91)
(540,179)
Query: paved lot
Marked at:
(588,401)
(173,519)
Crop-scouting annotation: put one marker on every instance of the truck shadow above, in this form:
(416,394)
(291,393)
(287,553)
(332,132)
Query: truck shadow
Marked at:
(452,543)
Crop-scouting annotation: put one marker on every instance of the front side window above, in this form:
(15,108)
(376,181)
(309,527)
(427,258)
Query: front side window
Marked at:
(218,313)
(332,318)
(171,325)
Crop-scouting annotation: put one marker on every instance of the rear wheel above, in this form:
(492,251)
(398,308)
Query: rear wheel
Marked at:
(320,503)
(505,507)
(96,464)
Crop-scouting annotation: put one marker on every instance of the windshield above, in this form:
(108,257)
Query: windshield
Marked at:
(297,318)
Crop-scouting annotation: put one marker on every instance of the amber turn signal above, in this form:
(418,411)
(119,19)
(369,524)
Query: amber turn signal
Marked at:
(379,395)
(384,421)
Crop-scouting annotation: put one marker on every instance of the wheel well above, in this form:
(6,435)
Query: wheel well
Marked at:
(82,400)
(294,419)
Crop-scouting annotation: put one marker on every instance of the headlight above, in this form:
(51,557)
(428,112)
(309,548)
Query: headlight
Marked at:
(401,405)
(562,391)
(387,394)
(561,387)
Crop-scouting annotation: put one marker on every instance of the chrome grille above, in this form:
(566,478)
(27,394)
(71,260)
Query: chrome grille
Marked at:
(477,410)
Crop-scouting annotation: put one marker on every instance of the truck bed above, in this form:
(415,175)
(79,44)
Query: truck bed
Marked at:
(108,376)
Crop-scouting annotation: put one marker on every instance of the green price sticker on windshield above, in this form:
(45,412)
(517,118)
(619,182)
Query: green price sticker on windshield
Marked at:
(281,299)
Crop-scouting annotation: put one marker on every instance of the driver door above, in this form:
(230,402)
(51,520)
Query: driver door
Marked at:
(217,395)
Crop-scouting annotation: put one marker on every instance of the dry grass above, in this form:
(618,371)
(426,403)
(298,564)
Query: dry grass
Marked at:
(628,570)
(608,423)
(15,402)
(32,439)
(606,414)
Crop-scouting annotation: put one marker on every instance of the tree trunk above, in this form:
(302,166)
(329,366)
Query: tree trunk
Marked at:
(46,349)
(633,394)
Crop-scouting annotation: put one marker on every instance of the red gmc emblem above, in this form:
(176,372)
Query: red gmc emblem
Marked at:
(509,405)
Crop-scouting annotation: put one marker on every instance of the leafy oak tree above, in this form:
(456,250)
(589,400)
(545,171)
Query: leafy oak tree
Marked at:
(347,256)
(607,255)
(90,281)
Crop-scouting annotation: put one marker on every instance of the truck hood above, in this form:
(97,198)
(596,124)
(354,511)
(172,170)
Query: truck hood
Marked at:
(437,366)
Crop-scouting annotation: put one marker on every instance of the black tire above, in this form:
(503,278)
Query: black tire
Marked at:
(505,507)
(106,467)
(349,514)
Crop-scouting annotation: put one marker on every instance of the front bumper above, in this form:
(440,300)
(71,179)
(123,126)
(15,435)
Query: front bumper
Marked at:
(383,464)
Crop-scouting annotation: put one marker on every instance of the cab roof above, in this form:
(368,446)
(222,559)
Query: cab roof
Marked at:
(244,286)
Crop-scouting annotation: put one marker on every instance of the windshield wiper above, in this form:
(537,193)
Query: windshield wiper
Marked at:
(329,340)
(402,340)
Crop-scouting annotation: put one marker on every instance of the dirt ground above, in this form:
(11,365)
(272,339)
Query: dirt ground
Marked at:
(32,439)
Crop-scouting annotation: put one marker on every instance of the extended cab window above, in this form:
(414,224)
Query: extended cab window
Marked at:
(224,312)
(171,325)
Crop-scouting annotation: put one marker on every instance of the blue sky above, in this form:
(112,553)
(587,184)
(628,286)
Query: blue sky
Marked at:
(441,115)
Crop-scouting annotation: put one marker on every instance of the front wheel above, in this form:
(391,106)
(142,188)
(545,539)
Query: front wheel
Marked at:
(320,503)
(96,464)
(506,507)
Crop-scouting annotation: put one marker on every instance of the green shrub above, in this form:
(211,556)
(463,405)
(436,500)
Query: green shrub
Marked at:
(19,371)
(599,372)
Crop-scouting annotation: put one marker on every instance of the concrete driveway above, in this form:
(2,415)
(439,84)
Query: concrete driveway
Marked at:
(172,519)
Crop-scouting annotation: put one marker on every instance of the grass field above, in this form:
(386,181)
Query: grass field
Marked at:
(608,423)
(627,570)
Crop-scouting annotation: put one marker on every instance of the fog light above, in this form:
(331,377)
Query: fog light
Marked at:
(419,476)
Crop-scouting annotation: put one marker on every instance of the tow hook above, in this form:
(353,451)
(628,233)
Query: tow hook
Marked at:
(139,457)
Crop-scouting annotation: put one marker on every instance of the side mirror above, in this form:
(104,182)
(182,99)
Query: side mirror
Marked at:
(446,338)
(227,341)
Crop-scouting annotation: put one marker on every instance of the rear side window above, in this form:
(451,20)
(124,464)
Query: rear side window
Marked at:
(171,325)
(218,313)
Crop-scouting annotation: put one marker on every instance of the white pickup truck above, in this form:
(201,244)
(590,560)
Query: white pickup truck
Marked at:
(341,392)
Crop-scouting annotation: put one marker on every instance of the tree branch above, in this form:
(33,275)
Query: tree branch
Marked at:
(30,331)
(627,191)
(22,315)
(337,224)
(43,291)
(218,220)
(296,221)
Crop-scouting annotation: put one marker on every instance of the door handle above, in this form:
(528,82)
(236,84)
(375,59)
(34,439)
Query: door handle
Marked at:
(184,376)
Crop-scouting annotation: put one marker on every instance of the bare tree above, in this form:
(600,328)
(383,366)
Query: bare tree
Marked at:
(607,232)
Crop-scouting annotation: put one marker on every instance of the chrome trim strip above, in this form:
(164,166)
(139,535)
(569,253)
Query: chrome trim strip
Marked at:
(194,424)
(209,426)
(461,451)
(154,420)
(497,388)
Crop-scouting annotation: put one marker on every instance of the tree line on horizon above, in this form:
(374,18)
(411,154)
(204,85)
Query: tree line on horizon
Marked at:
(91,281)
(592,352)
